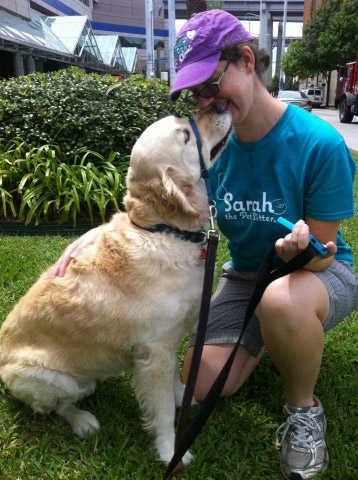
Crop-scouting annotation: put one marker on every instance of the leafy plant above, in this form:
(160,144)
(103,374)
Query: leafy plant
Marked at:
(340,41)
(37,184)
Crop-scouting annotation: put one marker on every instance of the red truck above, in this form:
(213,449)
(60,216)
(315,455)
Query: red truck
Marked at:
(347,99)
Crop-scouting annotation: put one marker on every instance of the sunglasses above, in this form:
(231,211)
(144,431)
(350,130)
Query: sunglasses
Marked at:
(208,91)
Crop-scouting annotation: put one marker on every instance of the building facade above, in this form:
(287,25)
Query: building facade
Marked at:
(30,41)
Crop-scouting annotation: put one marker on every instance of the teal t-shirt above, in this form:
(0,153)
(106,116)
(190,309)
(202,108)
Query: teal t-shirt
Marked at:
(302,167)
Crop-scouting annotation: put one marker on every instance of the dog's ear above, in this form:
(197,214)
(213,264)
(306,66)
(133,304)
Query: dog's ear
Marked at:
(171,192)
(180,191)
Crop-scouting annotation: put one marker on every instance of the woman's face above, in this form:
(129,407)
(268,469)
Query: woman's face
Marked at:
(236,90)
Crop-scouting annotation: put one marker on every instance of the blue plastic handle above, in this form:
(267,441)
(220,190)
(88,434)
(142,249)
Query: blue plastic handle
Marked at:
(313,241)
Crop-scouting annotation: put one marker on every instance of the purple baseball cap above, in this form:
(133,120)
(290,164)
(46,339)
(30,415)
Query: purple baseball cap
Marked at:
(198,46)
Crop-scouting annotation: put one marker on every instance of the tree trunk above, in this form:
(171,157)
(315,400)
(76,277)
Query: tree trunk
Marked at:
(328,88)
(195,6)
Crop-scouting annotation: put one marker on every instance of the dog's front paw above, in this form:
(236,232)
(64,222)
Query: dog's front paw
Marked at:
(188,457)
(84,424)
(179,389)
(166,452)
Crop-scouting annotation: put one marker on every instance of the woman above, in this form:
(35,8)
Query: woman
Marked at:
(280,161)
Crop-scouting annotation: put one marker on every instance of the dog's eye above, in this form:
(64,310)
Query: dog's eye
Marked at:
(186,136)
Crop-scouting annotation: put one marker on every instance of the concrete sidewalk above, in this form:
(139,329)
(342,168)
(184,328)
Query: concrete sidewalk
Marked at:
(349,131)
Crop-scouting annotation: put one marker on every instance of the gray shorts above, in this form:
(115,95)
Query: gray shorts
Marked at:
(228,304)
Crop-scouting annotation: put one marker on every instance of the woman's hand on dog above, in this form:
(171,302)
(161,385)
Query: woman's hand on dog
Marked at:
(72,251)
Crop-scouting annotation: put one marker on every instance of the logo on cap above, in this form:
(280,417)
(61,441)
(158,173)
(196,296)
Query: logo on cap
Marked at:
(183,46)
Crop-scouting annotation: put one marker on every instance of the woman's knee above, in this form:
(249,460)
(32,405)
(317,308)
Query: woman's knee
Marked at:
(295,301)
(276,301)
(300,290)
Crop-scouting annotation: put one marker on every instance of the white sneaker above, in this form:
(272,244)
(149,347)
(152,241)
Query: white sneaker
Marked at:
(304,449)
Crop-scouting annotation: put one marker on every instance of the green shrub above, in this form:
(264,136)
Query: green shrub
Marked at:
(275,84)
(290,84)
(73,110)
(36,184)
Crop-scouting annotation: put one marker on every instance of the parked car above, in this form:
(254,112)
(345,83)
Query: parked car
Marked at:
(295,98)
(315,95)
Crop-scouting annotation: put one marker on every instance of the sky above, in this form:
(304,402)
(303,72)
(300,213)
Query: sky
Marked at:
(293,29)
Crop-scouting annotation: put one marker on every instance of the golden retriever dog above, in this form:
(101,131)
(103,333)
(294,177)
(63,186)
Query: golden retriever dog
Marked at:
(126,302)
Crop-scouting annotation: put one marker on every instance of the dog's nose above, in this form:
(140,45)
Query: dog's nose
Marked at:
(205,103)
(219,107)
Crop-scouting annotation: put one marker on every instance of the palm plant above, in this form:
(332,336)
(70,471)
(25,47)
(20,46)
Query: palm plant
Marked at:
(36,183)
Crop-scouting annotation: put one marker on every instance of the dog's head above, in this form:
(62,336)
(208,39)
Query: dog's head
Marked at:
(163,182)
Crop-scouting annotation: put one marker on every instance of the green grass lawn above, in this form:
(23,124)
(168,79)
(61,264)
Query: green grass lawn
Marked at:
(238,441)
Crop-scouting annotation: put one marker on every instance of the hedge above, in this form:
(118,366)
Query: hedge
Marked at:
(73,109)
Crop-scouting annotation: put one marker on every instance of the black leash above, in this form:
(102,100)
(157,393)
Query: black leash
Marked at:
(265,276)
(213,240)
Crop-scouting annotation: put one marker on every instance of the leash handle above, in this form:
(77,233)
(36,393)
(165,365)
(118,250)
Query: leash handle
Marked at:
(265,276)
